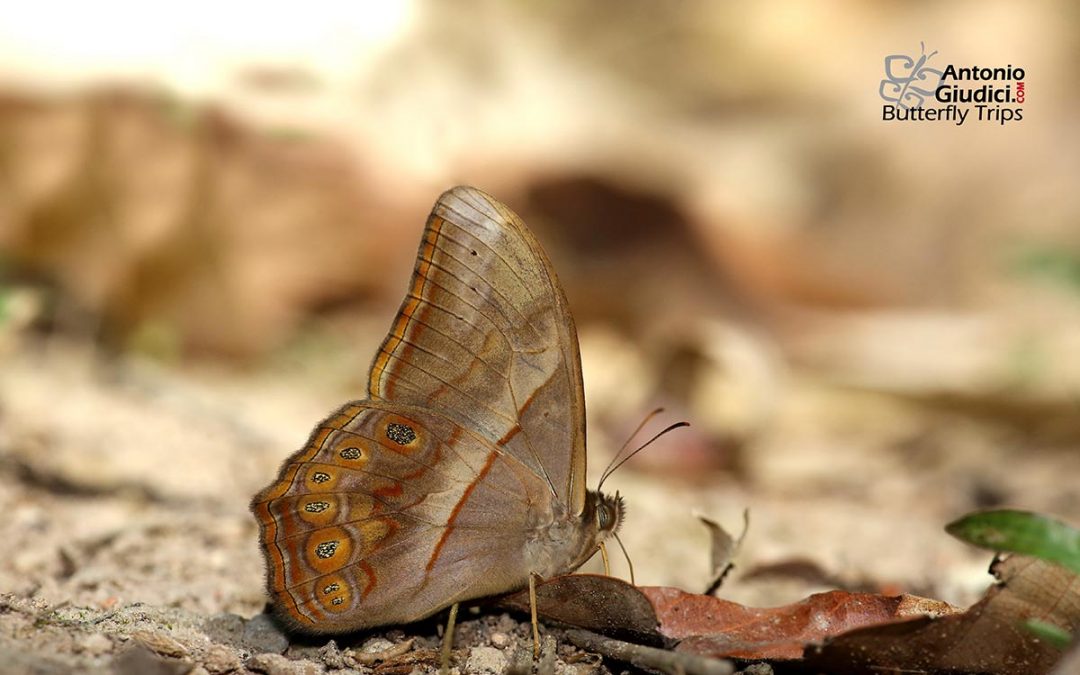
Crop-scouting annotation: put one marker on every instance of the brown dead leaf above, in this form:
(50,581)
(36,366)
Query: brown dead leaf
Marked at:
(797,569)
(602,604)
(719,628)
(361,658)
(408,662)
(722,549)
(988,638)
(861,631)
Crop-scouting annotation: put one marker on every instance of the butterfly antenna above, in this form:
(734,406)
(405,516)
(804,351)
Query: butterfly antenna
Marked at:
(640,426)
(629,563)
(630,456)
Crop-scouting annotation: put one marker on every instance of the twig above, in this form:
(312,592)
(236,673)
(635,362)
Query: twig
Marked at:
(371,658)
(649,657)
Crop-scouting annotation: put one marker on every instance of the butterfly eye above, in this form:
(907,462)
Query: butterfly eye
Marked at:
(604,517)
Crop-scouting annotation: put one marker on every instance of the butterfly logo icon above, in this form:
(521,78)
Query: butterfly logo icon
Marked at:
(908,82)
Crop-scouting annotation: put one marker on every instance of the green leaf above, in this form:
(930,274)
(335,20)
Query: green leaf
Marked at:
(5,301)
(1049,633)
(1021,532)
(1053,264)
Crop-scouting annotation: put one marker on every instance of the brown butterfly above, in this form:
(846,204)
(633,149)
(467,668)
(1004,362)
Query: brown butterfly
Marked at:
(462,474)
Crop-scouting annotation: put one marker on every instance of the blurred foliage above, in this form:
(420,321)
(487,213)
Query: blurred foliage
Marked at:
(157,339)
(1021,532)
(1026,362)
(5,300)
(5,292)
(1056,265)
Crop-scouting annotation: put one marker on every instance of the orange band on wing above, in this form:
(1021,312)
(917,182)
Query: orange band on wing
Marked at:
(457,508)
(270,524)
(408,308)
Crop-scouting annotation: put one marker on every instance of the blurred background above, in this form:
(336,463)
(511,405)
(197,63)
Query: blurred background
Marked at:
(209,213)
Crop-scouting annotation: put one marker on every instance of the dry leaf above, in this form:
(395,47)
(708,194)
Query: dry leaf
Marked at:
(722,549)
(988,638)
(861,631)
(797,569)
(602,604)
(713,627)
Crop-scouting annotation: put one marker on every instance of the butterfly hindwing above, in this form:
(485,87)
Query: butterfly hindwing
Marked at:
(375,519)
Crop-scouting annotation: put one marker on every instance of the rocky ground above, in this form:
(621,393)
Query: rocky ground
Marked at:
(129,547)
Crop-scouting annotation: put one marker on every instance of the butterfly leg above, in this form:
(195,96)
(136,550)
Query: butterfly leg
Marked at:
(448,641)
(532,609)
(607,565)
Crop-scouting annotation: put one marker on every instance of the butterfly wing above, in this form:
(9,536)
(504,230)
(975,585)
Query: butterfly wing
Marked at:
(383,516)
(485,337)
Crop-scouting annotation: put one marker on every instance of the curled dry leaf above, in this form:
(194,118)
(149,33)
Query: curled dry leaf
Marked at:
(360,658)
(160,643)
(990,637)
(602,604)
(709,626)
(719,628)
(798,569)
(722,549)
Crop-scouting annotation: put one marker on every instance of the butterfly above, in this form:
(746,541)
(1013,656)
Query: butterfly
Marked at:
(462,474)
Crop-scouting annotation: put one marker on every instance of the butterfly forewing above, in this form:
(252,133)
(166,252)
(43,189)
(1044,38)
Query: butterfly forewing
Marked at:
(485,337)
(370,523)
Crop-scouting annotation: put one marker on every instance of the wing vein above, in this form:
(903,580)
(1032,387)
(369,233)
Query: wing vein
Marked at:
(450,385)
(522,318)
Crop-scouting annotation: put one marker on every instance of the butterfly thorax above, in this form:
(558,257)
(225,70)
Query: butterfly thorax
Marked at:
(563,543)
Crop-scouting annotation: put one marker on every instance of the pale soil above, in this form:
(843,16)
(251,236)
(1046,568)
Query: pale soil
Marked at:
(125,485)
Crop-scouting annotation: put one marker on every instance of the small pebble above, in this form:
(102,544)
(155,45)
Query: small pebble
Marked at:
(500,640)
(220,659)
(262,635)
(331,656)
(225,627)
(376,645)
(486,660)
(139,660)
(505,624)
(276,664)
(94,644)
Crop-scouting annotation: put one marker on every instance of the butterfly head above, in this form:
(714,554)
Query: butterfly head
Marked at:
(608,512)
